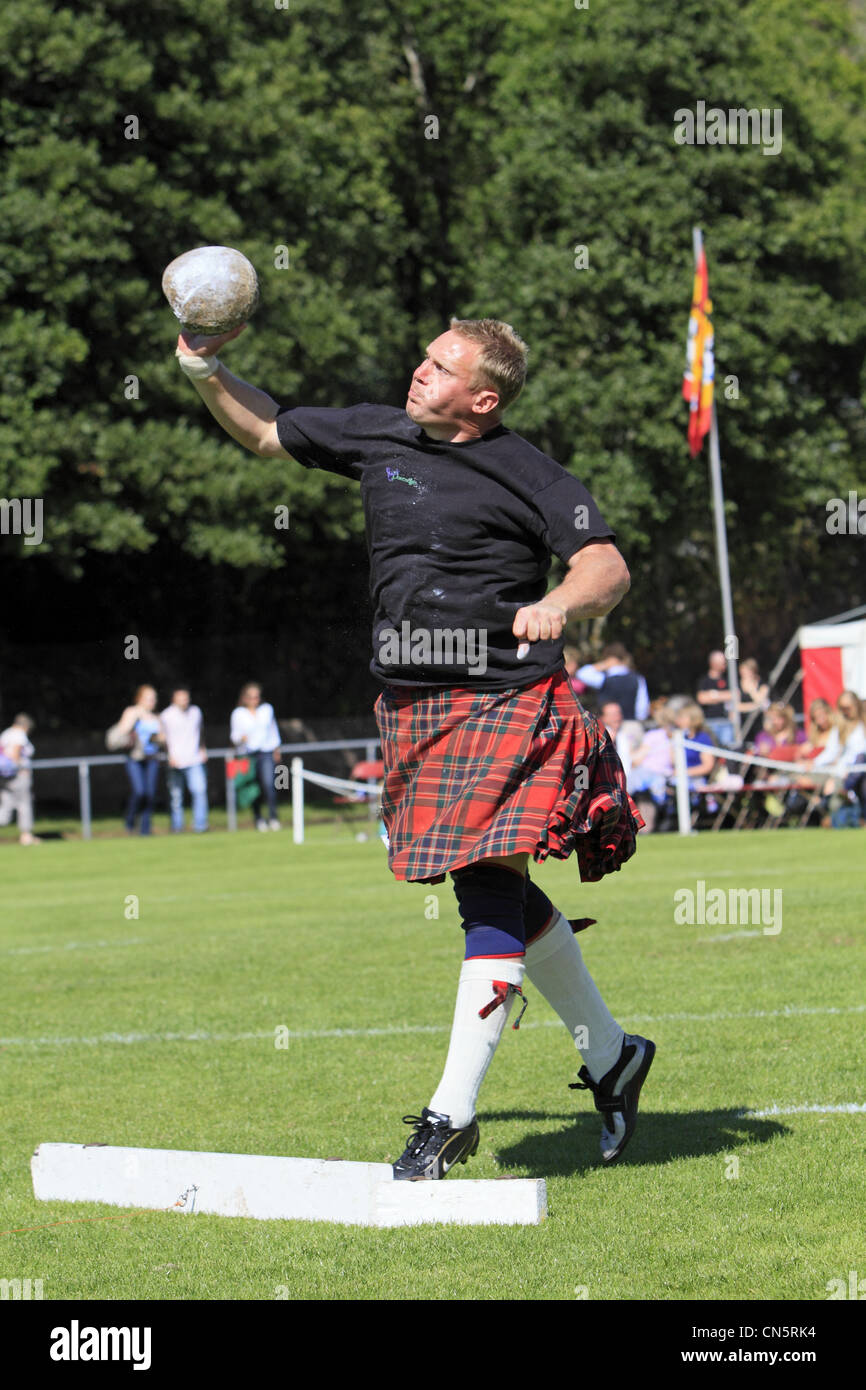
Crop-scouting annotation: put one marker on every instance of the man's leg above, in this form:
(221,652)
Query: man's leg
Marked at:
(490,900)
(615,1062)
(196,779)
(175,797)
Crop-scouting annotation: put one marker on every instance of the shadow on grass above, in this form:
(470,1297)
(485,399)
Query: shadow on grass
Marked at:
(658,1138)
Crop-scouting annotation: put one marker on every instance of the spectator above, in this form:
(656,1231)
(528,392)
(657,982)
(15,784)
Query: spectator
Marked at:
(255,734)
(614,679)
(141,725)
(850,706)
(783,742)
(659,710)
(755,690)
(714,697)
(625,733)
(652,768)
(820,725)
(571,657)
(16,794)
(846,742)
(187,756)
(780,738)
(699,765)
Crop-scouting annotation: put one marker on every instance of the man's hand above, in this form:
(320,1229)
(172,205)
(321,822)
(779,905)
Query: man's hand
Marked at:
(538,622)
(196,345)
(244,412)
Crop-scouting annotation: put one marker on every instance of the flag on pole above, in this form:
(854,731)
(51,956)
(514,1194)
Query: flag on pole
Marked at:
(700,364)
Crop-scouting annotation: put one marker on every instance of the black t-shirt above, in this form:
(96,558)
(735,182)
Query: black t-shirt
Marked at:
(712,683)
(459,538)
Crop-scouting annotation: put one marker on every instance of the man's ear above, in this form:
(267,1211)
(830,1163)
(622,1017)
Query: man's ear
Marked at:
(485,401)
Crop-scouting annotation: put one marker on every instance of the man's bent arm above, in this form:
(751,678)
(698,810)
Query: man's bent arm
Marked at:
(597,579)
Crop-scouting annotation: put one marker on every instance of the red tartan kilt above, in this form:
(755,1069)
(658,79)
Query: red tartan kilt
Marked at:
(471,774)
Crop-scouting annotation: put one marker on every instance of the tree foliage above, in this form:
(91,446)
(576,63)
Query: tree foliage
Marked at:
(416,161)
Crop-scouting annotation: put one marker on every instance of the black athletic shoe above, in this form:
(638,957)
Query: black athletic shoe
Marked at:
(616,1094)
(435,1146)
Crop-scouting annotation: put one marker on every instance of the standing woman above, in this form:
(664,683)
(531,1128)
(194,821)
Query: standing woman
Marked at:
(255,734)
(139,721)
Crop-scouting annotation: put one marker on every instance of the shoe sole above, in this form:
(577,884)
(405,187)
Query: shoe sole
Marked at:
(635,1084)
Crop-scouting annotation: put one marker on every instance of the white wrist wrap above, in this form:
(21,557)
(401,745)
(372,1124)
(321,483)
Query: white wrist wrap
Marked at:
(197,368)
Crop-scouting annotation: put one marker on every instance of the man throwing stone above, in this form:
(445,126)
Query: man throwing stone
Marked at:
(489,757)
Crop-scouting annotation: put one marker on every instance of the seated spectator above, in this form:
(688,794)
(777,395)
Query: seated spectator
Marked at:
(16,792)
(780,739)
(699,765)
(614,679)
(819,727)
(715,698)
(652,768)
(846,744)
(753,691)
(610,718)
(187,755)
(625,733)
(659,709)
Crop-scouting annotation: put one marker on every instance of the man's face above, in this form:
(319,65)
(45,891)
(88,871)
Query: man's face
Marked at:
(718,664)
(181,699)
(440,399)
(611,718)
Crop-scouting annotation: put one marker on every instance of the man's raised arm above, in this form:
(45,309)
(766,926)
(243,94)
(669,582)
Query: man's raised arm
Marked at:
(247,414)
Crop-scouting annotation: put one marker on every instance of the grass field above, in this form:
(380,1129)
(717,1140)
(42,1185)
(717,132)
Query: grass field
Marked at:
(159,1030)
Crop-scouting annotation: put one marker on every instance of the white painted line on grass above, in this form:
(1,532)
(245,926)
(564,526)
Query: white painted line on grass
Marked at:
(409,1029)
(850,1108)
(73,946)
(728,936)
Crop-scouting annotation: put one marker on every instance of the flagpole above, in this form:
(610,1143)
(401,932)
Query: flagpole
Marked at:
(731,644)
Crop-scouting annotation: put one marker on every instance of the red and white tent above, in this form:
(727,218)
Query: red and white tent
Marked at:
(834,659)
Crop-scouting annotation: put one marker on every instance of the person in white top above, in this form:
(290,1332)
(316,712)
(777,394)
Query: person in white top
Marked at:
(255,734)
(16,796)
(846,746)
(187,755)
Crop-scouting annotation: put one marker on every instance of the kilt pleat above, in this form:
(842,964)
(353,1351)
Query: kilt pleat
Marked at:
(471,774)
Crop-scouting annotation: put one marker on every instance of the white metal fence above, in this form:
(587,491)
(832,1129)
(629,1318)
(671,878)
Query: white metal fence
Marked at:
(84,764)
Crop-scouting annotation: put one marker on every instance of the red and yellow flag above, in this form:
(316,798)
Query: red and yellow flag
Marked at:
(700,364)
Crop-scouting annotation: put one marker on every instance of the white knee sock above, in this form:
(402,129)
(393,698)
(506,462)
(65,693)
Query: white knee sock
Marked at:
(555,966)
(474,1039)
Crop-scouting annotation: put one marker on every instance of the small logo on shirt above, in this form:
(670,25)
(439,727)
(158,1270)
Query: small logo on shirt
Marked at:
(395,476)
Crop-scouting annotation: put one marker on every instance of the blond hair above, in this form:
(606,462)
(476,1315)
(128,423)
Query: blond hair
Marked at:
(501,363)
(786,713)
(845,725)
